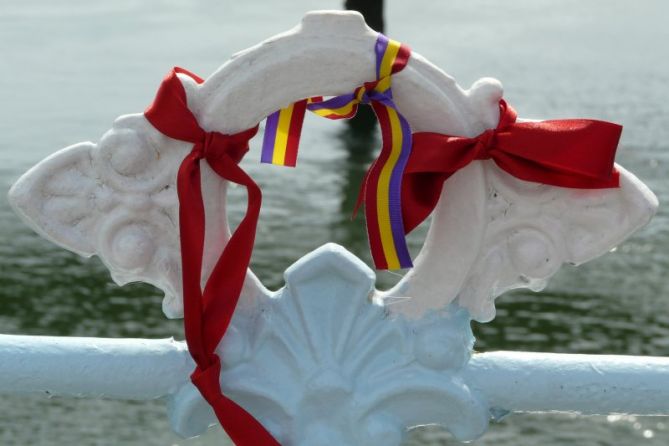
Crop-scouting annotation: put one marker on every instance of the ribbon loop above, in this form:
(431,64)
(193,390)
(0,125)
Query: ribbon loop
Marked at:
(574,153)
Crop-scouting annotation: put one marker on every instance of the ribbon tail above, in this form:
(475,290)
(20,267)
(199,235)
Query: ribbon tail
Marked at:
(225,284)
(242,427)
(207,315)
(383,191)
(282,135)
(239,424)
(221,295)
(191,229)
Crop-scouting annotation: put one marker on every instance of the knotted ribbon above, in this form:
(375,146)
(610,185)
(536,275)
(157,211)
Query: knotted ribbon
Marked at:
(207,313)
(574,153)
(382,192)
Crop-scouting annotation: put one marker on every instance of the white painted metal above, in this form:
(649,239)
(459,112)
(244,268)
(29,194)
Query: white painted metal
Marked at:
(586,384)
(509,381)
(327,359)
(134,369)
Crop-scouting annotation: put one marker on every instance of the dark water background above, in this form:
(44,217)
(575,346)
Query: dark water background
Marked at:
(68,68)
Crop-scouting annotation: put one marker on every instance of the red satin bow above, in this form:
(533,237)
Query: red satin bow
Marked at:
(575,153)
(207,314)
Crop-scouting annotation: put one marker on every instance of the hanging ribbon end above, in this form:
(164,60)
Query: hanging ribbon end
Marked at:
(282,135)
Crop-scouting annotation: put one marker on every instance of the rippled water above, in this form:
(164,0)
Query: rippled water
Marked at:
(70,67)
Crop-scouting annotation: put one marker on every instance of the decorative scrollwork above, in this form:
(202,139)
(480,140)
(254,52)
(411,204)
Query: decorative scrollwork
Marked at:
(320,363)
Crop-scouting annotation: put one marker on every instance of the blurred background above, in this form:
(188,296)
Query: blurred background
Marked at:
(68,68)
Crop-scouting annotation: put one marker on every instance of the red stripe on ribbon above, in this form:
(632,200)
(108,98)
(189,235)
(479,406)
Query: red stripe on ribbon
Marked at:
(207,314)
(401,59)
(573,153)
(371,191)
(295,129)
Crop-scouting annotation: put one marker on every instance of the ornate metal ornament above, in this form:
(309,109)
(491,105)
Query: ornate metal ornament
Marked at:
(328,359)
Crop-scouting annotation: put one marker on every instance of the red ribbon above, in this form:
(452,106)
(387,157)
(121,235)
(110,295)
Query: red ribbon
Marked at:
(207,314)
(574,153)
(569,153)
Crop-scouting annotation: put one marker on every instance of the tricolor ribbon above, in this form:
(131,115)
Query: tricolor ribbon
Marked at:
(383,183)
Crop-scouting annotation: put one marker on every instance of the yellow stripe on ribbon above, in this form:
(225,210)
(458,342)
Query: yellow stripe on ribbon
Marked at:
(382,203)
(282,135)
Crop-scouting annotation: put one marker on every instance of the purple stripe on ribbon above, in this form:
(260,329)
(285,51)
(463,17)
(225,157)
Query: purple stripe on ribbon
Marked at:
(269,138)
(395,195)
(336,102)
(385,98)
(380,50)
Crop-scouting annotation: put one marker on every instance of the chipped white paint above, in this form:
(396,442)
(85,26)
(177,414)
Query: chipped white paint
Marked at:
(324,359)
